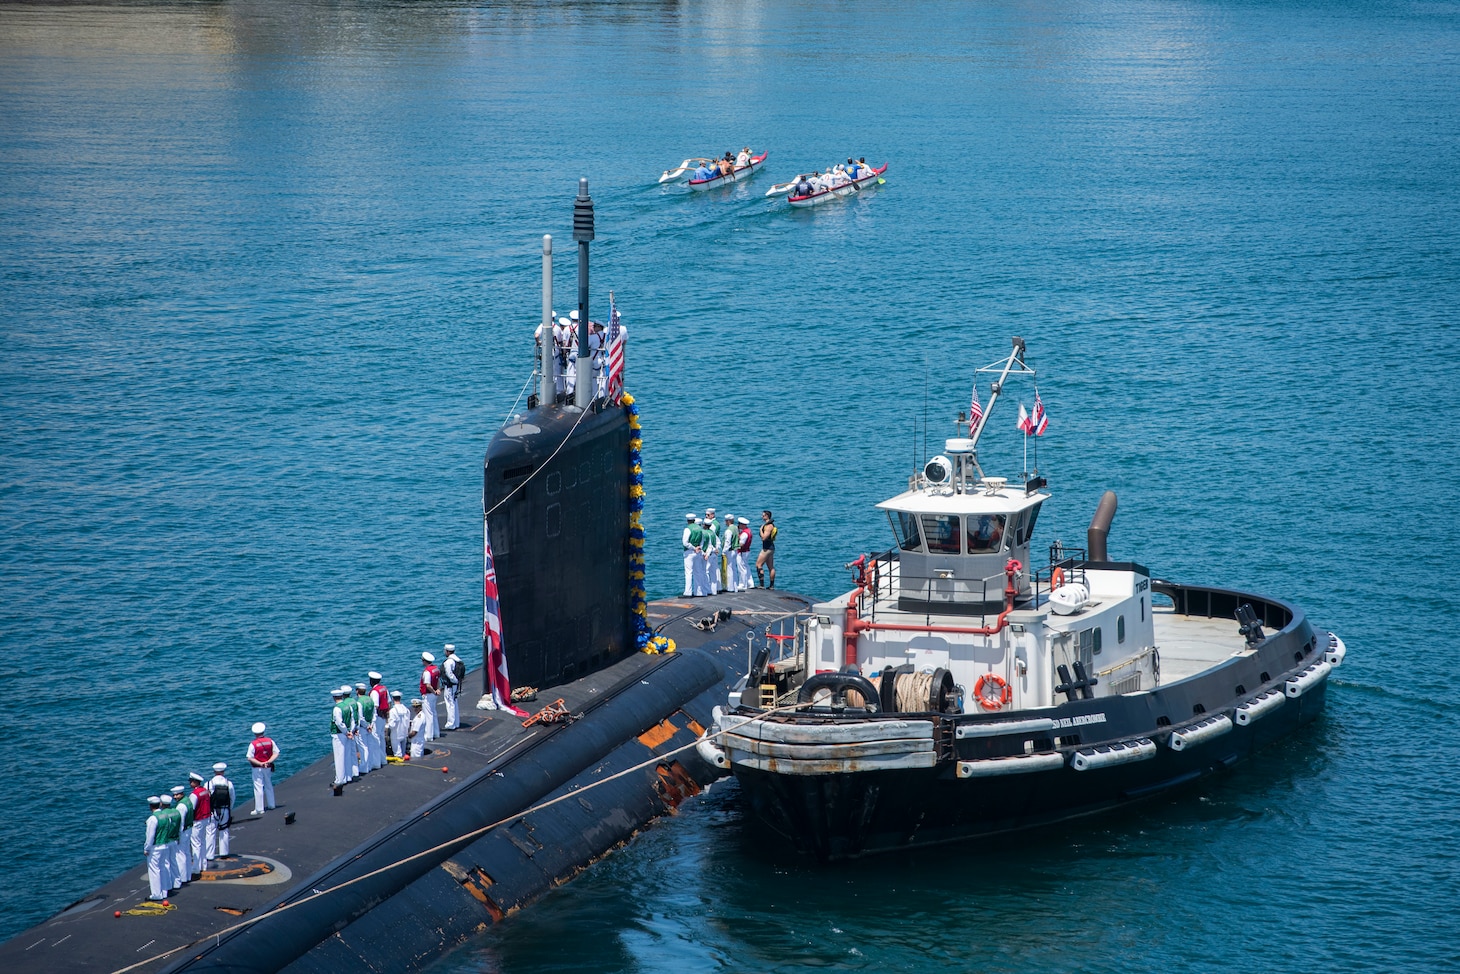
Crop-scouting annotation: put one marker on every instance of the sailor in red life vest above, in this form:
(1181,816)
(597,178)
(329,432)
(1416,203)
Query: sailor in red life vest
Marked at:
(262,753)
(152,850)
(430,686)
(182,856)
(380,696)
(204,839)
(221,796)
(453,671)
(742,554)
(340,737)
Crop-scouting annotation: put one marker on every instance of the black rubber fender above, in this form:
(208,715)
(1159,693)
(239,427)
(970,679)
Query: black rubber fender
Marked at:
(839,684)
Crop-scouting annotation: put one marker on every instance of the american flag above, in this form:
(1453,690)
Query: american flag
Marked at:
(975,411)
(1041,419)
(615,354)
(497,680)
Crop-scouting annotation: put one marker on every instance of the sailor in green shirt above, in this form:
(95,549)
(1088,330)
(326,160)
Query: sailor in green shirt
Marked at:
(169,822)
(691,544)
(181,856)
(351,707)
(365,736)
(154,847)
(340,735)
(712,550)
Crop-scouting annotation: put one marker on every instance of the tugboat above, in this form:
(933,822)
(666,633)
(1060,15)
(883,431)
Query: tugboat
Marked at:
(955,693)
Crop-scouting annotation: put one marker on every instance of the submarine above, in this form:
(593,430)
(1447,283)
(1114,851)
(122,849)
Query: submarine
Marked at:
(417,858)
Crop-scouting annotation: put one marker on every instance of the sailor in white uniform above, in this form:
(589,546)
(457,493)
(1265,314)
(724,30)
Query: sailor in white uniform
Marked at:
(262,752)
(418,729)
(707,555)
(379,696)
(182,865)
(570,381)
(430,689)
(691,555)
(221,796)
(364,706)
(728,538)
(453,671)
(202,820)
(742,553)
(154,848)
(340,742)
(712,550)
(400,725)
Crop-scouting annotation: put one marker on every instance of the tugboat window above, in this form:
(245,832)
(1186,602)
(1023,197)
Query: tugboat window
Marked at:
(985,533)
(905,527)
(1026,527)
(942,533)
(1120,629)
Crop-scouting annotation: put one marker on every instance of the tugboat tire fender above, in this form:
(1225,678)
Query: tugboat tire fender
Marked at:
(839,684)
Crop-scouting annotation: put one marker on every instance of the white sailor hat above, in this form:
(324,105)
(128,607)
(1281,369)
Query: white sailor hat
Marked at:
(395,694)
(729,517)
(194,776)
(153,800)
(691,517)
(258,728)
(361,687)
(573,314)
(742,520)
(415,701)
(710,511)
(428,657)
(563,321)
(451,647)
(178,790)
(337,692)
(221,767)
(165,799)
(372,675)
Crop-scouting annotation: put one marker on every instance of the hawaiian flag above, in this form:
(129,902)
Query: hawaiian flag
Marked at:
(615,353)
(501,687)
(975,411)
(1025,423)
(1040,422)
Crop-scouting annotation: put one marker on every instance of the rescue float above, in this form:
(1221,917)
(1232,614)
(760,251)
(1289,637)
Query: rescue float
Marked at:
(956,691)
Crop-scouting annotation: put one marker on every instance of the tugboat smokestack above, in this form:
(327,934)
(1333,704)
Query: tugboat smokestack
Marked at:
(547,348)
(583,233)
(1100,527)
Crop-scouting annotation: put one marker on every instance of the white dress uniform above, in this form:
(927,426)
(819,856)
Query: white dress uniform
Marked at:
(264,749)
(453,671)
(364,729)
(712,551)
(728,537)
(198,840)
(339,736)
(430,688)
(742,553)
(381,698)
(158,878)
(222,797)
(182,853)
(707,552)
(418,731)
(400,725)
(691,558)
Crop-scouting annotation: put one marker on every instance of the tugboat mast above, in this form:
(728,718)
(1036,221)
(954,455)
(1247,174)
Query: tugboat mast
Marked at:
(1016,357)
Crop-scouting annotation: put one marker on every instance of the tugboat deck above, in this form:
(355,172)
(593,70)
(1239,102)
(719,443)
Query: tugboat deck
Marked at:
(1192,644)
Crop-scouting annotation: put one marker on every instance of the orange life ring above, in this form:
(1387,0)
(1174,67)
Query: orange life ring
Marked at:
(1002,693)
(1056,578)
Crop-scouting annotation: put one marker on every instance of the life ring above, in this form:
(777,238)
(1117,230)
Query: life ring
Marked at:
(1002,693)
(1056,578)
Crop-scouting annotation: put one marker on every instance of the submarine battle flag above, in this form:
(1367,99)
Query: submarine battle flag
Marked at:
(498,684)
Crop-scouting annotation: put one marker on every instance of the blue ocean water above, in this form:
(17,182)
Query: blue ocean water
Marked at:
(269,273)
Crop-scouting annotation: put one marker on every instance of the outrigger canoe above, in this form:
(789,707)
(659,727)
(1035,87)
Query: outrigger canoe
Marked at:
(743,172)
(866,182)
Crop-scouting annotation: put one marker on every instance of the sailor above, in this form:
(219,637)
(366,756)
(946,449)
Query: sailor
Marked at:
(690,542)
(561,341)
(729,539)
(365,727)
(418,729)
(707,552)
(430,688)
(262,752)
(221,795)
(379,696)
(154,848)
(204,839)
(453,672)
(743,159)
(596,343)
(182,864)
(171,823)
(742,553)
(571,371)
(767,557)
(712,551)
(340,735)
(400,726)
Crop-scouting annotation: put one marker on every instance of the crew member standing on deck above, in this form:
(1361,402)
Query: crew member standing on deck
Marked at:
(221,796)
(418,730)
(379,696)
(690,542)
(453,672)
(170,823)
(767,557)
(182,853)
(154,848)
(340,736)
(351,708)
(707,554)
(365,733)
(742,552)
(262,752)
(205,835)
(430,688)
(727,552)
(713,544)
(400,726)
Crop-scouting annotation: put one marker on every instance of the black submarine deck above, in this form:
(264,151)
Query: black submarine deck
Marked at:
(275,863)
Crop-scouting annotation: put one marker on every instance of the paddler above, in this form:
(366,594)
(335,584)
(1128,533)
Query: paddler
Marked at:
(743,160)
